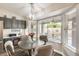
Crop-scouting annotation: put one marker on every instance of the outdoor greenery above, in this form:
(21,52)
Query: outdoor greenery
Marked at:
(54,25)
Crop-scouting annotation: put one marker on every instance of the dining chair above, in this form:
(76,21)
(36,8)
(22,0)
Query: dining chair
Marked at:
(9,48)
(24,38)
(45,50)
(43,38)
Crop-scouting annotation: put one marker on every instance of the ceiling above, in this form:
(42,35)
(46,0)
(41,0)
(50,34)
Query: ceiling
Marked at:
(39,9)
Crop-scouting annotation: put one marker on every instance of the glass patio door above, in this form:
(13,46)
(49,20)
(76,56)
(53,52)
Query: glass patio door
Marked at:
(54,31)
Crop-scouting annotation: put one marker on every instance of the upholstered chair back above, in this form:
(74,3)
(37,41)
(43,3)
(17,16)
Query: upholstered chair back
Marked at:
(24,37)
(43,38)
(44,50)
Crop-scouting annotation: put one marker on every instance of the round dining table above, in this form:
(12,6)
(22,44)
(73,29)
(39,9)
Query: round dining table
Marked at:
(30,45)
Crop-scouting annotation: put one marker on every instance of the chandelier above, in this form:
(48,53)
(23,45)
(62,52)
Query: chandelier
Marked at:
(31,15)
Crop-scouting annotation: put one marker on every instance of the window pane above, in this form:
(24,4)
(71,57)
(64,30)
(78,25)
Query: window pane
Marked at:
(70,33)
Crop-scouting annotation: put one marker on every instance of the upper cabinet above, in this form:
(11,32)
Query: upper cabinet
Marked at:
(23,24)
(14,24)
(7,23)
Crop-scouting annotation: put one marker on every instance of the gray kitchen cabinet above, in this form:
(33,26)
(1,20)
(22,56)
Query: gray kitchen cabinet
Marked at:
(7,23)
(14,24)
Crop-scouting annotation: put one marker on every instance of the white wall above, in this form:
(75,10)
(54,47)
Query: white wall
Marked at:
(9,14)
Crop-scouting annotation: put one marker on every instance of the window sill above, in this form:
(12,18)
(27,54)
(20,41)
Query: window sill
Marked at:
(73,49)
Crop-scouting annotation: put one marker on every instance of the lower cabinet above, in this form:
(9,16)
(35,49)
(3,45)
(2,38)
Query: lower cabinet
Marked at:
(15,41)
(1,47)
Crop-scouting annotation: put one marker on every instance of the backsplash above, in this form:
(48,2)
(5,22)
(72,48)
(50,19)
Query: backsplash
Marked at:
(6,32)
(15,30)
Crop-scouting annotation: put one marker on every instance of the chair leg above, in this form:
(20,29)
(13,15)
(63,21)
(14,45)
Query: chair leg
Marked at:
(30,52)
(33,49)
(44,42)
